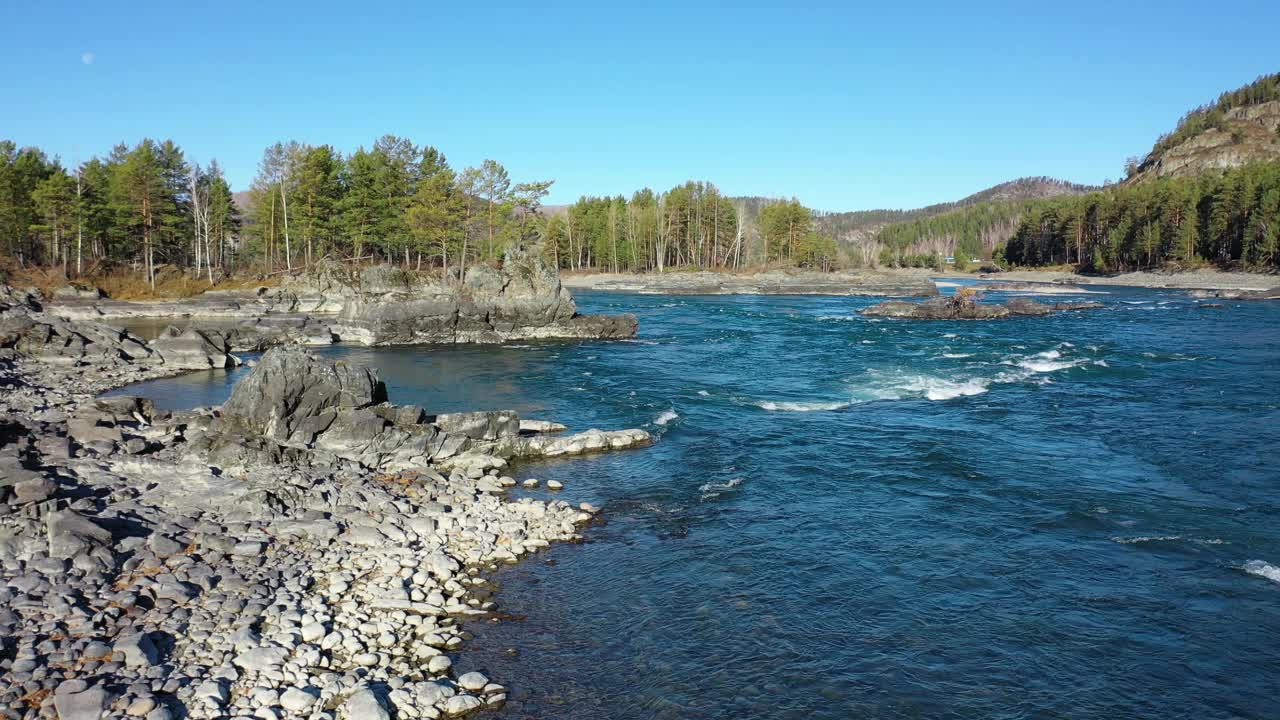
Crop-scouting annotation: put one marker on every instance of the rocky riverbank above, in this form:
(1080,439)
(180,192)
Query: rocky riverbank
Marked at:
(1184,280)
(309,550)
(377,305)
(793,282)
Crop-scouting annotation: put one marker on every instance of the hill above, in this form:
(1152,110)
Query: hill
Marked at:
(849,226)
(1242,126)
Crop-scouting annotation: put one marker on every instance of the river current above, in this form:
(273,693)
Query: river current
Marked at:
(843,517)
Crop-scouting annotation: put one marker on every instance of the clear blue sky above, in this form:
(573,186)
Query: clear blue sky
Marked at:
(844,105)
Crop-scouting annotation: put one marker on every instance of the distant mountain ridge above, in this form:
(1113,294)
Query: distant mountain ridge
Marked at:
(1242,126)
(849,225)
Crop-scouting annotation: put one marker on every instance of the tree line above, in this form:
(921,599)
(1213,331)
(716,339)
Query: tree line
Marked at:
(690,226)
(137,204)
(394,201)
(147,205)
(1227,218)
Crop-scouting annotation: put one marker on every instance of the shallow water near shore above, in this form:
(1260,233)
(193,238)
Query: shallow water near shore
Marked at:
(1071,516)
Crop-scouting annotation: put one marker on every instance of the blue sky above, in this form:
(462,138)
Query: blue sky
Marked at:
(844,105)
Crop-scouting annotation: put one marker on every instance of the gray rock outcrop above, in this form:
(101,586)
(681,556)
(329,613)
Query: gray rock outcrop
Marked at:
(522,300)
(295,405)
(193,349)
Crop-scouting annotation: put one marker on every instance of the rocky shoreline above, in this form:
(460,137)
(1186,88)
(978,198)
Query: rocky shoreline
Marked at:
(308,550)
(1183,280)
(377,305)
(791,282)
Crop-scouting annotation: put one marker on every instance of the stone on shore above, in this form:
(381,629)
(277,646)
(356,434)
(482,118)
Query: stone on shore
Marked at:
(87,704)
(363,704)
(193,349)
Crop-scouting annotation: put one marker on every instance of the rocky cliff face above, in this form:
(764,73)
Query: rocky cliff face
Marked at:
(1248,134)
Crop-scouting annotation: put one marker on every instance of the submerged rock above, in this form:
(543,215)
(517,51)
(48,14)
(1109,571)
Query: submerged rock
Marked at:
(1271,294)
(954,309)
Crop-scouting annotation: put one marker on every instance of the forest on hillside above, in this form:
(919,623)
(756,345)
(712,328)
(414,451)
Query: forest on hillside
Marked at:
(1228,218)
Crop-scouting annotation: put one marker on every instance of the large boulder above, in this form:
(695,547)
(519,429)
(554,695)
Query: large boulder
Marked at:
(291,396)
(20,298)
(296,406)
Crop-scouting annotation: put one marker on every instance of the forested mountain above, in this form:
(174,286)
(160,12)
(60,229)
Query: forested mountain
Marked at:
(1207,192)
(1241,127)
(1026,188)
(970,227)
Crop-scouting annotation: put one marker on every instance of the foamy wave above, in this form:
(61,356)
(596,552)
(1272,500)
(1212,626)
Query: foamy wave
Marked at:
(837,318)
(956,356)
(703,393)
(1145,539)
(713,489)
(800,406)
(665,417)
(939,389)
(1261,569)
(1044,366)
(884,386)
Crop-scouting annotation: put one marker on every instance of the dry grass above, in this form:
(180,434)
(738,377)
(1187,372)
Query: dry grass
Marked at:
(35,698)
(127,580)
